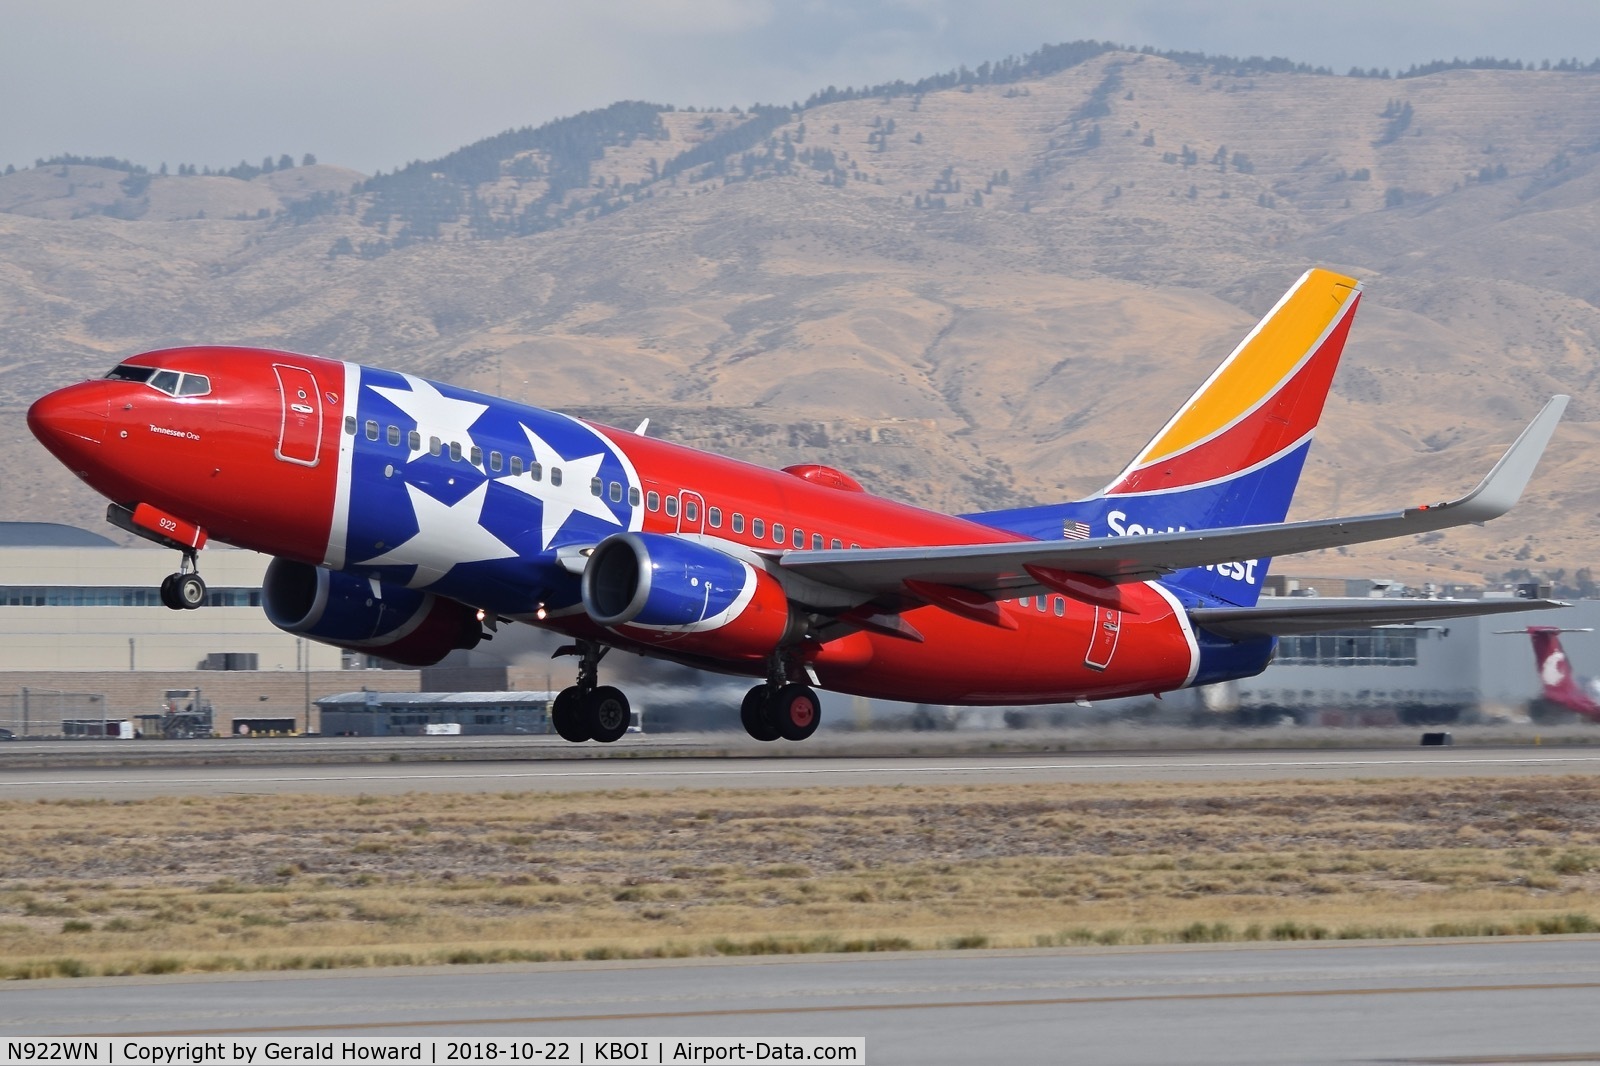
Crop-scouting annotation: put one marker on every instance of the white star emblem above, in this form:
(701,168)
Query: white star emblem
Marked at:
(447,536)
(435,414)
(574,492)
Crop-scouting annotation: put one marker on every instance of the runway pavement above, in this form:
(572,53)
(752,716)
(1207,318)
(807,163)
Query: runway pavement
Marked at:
(565,775)
(1437,1002)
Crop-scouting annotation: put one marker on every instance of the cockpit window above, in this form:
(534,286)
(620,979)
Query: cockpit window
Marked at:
(168,381)
(125,372)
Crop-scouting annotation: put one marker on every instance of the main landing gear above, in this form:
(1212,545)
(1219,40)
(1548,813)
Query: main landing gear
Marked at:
(781,708)
(185,590)
(587,711)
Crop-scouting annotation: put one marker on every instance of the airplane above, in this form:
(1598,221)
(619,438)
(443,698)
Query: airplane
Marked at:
(1558,686)
(408,518)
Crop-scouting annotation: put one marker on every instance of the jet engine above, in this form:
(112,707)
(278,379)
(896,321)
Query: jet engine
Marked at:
(407,626)
(665,590)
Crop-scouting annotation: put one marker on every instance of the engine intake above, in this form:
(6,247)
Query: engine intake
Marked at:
(332,607)
(661,589)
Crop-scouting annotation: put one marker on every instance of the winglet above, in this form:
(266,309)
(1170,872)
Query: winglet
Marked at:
(1502,487)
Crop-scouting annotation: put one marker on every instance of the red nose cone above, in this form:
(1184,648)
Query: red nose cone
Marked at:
(71,422)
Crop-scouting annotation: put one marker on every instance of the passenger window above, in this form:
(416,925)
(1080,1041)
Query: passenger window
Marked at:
(616,492)
(536,471)
(691,511)
(737,522)
(350,424)
(835,544)
(516,465)
(652,500)
(758,528)
(555,475)
(596,487)
(372,430)
(1041,604)
(394,435)
(672,507)
(777,532)
(477,456)
(455,451)
(495,461)
(633,496)
(1026,601)
(194,385)
(797,538)
(816,542)
(414,441)
(1060,607)
(435,446)
(166,381)
(714,516)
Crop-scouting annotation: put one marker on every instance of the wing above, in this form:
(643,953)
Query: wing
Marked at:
(999,571)
(1322,615)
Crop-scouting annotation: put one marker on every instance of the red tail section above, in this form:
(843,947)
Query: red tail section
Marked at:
(1555,673)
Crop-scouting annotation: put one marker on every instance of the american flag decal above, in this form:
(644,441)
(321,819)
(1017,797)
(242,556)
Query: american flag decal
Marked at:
(1075,530)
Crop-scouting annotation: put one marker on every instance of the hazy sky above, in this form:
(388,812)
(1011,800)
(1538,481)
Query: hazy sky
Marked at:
(372,84)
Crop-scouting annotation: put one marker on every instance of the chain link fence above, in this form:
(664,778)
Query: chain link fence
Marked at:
(48,712)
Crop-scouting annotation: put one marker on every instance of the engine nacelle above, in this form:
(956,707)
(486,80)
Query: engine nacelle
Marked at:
(407,626)
(664,590)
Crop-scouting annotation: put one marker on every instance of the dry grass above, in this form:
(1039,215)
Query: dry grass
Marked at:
(311,882)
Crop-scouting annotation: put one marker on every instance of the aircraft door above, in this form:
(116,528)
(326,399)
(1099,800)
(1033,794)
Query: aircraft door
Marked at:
(1103,638)
(691,513)
(300,433)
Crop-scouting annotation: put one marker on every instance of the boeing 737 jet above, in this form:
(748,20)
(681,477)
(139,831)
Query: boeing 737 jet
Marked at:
(408,516)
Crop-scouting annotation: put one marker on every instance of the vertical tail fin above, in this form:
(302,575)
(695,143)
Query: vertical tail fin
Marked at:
(1555,672)
(1233,453)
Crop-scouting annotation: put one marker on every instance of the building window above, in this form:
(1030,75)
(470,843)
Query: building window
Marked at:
(1389,646)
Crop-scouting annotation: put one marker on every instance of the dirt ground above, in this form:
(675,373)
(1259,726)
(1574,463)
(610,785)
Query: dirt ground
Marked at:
(314,881)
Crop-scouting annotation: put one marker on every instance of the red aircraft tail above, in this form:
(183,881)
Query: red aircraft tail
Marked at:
(1555,672)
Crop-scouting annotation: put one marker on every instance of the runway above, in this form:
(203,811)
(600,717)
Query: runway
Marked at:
(622,772)
(1419,1002)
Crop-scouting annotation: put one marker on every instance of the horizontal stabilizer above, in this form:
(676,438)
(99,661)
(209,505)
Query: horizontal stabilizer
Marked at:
(1001,570)
(1324,615)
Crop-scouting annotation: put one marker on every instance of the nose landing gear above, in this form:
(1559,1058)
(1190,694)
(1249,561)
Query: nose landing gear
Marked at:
(185,590)
(587,711)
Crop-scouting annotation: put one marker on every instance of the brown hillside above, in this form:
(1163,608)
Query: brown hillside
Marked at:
(970,298)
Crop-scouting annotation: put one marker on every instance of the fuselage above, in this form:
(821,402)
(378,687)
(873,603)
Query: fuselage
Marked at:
(493,504)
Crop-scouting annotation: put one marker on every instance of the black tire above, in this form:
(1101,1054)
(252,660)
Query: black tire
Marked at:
(567,717)
(796,711)
(607,715)
(169,593)
(189,591)
(754,717)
